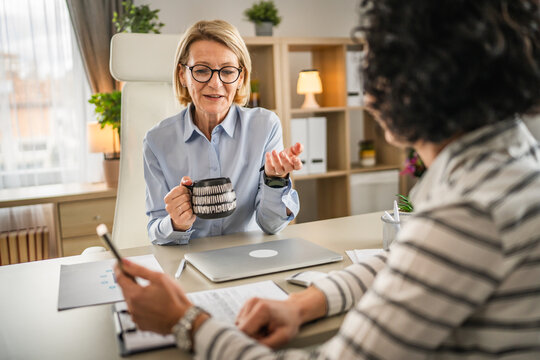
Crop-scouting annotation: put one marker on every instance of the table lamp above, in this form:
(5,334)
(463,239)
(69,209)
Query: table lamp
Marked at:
(105,140)
(309,83)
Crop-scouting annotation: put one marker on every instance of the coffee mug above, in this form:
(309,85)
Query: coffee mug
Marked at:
(212,198)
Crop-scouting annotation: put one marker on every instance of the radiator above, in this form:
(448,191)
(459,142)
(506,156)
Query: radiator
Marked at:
(25,245)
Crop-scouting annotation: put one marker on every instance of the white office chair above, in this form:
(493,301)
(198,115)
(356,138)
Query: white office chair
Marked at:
(145,63)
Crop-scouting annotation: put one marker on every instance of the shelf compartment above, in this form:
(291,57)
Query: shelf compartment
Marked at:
(329,60)
(337,139)
(263,58)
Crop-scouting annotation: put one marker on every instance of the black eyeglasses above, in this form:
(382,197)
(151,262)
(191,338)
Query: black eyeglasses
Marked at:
(203,73)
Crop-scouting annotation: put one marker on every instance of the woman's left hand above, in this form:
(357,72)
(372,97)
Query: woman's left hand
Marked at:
(156,307)
(282,163)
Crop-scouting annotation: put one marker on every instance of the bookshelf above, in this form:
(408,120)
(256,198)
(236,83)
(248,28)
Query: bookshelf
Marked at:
(276,63)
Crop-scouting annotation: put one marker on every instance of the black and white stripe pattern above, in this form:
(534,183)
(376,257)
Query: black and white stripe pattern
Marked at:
(462,281)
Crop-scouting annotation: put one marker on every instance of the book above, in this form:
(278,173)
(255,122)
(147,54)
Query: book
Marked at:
(222,304)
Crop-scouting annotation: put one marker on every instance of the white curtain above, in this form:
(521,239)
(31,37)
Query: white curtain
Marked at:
(43,104)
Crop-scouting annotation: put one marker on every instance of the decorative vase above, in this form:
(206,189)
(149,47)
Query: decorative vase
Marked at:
(111,169)
(263,28)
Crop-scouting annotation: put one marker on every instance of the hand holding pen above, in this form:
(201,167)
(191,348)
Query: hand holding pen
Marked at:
(103,233)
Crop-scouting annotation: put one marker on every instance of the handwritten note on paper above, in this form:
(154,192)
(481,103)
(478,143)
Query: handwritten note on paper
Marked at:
(357,256)
(94,283)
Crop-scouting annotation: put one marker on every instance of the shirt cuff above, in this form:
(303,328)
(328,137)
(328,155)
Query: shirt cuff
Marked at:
(170,236)
(207,335)
(281,199)
(334,299)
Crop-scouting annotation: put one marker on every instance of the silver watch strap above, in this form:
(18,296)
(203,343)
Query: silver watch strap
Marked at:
(182,329)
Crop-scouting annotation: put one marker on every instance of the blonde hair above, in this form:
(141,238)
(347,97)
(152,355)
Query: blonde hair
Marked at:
(221,32)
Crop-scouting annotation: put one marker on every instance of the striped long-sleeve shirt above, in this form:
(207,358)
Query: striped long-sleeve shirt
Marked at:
(462,279)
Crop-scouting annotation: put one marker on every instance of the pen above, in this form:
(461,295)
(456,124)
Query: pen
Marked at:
(103,232)
(181,267)
(387,216)
(396,211)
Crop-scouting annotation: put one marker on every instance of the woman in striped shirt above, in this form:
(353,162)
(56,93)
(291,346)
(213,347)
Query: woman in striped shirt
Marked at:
(450,78)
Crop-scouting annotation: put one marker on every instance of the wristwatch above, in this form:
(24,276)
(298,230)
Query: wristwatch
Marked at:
(182,329)
(276,182)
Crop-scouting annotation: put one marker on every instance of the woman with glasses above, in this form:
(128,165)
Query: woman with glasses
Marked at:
(215,136)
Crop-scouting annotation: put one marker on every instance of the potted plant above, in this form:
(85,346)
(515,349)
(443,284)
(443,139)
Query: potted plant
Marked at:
(107,108)
(264,15)
(137,19)
(404,204)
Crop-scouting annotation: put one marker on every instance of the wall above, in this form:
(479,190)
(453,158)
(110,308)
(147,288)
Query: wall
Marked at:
(303,18)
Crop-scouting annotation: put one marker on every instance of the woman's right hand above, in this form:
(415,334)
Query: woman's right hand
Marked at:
(178,205)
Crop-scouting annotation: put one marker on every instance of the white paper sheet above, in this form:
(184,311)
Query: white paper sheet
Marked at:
(223,304)
(94,283)
(357,256)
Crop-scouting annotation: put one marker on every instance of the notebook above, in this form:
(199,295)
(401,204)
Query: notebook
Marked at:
(257,259)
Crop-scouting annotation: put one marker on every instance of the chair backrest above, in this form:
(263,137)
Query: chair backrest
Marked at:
(145,62)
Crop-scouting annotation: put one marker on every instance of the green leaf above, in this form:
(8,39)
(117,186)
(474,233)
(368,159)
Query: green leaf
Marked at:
(404,203)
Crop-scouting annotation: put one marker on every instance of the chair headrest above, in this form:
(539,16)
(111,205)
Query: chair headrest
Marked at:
(143,57)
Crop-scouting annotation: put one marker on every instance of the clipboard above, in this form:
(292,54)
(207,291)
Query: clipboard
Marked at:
(132,340)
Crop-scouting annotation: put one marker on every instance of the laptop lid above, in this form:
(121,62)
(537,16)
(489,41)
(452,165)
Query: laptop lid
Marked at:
(256,259)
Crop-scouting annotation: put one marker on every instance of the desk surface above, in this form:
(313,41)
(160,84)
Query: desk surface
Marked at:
(32,328)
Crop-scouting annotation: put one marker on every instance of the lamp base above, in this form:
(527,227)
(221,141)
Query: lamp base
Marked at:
(111,169)
(310,102)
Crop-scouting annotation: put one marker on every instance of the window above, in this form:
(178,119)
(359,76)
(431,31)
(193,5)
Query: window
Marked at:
(43,97)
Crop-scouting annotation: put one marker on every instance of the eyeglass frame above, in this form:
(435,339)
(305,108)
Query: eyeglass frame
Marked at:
(213,71)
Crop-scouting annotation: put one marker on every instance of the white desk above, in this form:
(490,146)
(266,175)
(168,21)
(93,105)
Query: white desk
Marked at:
(32,328)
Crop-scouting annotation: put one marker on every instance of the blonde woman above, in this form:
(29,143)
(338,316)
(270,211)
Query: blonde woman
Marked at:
(215,136)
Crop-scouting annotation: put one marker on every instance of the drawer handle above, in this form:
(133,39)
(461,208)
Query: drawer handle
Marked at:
(97,217)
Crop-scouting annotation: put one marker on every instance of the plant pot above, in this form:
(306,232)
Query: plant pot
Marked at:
(264,29)
(110,169)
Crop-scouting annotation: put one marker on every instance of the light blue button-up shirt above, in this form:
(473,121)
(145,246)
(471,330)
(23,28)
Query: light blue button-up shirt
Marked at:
(176,147)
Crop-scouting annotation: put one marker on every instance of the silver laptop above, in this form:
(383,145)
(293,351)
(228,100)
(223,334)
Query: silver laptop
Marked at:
(256,259)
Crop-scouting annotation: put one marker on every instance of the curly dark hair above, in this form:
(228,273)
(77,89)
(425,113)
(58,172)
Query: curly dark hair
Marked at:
(435,69)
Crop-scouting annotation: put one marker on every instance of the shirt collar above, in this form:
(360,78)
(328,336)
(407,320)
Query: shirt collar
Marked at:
(228,124)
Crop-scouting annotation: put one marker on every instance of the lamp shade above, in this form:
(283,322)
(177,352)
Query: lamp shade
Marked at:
(102,140)
(309,82)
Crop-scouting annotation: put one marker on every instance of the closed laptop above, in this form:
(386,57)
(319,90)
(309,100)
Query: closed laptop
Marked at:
(257,259)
